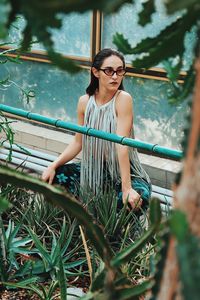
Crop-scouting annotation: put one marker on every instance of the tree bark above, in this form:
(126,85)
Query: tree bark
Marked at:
(186,198)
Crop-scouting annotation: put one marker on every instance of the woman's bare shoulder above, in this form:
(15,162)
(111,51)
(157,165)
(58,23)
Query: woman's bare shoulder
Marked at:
(124,95)
(124,99)
(83,100)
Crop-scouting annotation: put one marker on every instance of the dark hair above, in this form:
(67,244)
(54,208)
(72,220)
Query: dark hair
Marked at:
(97,63)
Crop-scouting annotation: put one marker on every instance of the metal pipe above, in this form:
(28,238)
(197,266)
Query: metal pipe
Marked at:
(29,151)
(24,157)
(23,164)
(151,148)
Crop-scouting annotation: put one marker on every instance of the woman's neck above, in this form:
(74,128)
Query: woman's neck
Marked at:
(103,97)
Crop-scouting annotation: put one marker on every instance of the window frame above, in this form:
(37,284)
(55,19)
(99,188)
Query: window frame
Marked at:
(156,73)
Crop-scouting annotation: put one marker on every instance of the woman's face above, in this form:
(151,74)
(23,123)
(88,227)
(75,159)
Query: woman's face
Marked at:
(108,80)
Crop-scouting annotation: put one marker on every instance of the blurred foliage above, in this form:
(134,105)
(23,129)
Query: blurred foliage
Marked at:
(41,16)
(188,253)
(145,14)
(173,6)
(167,46)
(4,204)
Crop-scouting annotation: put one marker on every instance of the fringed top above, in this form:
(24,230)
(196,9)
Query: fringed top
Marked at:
(96,152)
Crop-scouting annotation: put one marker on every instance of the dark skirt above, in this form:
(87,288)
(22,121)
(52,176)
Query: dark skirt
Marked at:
(69,176)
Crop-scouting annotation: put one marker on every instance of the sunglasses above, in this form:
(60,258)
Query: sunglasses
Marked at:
(111,72)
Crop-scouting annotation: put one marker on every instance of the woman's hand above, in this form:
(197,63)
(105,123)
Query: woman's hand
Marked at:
(134,199)
(48,174)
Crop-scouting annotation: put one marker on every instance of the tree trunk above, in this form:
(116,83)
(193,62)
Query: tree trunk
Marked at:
(186,199)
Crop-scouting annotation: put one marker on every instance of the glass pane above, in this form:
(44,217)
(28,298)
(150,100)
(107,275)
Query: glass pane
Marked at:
(155,120)
(56,92)
(72,39)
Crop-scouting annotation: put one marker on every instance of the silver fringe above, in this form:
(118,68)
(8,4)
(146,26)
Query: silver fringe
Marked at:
(95,152)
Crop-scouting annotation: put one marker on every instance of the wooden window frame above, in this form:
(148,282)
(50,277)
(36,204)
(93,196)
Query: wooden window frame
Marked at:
(95,47)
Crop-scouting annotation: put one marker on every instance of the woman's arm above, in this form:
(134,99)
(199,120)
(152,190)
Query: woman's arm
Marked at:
(124,111)
(73,149)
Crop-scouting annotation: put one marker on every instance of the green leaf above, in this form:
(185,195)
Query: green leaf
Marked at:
(22,283)
(11,232)
(14,59)
(160,52)
(52,288)
(24,250)
(131,251)
(155,211)
(74,263)
(27,38)
(114,5)
(98,281)
(128,293)
(177,95)
(173,6)
(63,240)
(78,273)
(160,264)
(89,296)
(122,43)
(55,249)
(23,270)
(80,5)
(62,280)
(21,242)
(173,71)
(145,14)
(42,250)
(5,9)
(179,225)
(37,267)
(4,204)
(188,253)
(63,63)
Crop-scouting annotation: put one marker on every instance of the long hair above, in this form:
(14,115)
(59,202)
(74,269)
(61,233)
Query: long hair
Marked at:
(97,63)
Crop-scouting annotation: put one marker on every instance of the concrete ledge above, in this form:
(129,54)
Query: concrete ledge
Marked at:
(161,171)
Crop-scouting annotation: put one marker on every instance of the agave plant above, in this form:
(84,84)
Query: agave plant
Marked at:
(121,228)
(44,292)
(104,208)
(48,262)
(110,282)
(11,247)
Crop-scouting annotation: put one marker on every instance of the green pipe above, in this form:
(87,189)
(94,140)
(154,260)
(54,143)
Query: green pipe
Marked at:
(151,148)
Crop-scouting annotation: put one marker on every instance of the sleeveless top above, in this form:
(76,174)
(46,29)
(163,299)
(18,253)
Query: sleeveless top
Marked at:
(95,151)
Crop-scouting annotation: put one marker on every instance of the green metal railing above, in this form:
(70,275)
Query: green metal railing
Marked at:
(147,147)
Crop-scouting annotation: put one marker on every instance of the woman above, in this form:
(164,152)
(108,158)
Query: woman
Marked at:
(105,106)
